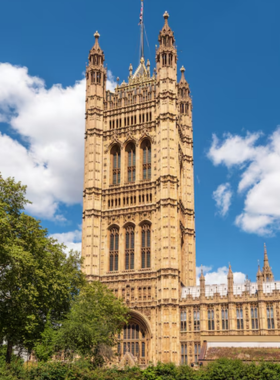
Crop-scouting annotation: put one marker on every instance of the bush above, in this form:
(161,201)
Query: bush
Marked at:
(222,369)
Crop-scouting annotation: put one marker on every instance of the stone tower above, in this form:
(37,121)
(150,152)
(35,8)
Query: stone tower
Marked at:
(138,215)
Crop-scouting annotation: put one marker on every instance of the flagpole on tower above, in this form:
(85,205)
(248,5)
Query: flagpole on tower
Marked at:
(142,28)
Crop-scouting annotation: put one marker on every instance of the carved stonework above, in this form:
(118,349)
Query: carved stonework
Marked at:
(129,218)
(145,215)
(152,265)
(113,220)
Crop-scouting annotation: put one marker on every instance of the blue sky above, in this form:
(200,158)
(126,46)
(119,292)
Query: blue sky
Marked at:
(231,52)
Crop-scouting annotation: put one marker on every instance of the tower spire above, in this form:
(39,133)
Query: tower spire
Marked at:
(267,272)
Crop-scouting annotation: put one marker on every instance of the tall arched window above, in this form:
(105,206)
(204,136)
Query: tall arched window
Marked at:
(146,159)
(133,339)
(129,248)
(146,246)
(130,149)
(170,59)
(116,165)
(114,250)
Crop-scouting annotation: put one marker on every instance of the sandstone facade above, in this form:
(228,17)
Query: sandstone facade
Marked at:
(138,217)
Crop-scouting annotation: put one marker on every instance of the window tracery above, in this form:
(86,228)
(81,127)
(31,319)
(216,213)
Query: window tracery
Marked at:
(116,165)
(129,247)
(146,246)
(133,339)
(146,159)
(114,250)
(131,162)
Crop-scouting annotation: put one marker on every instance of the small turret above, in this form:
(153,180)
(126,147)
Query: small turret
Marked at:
(260,280)
(183,79)
(130,70)
(230,280)
(202,284)
(166,55)
(95,71)
(166,31)
(96,56)
(266,271)
(184,95)
(148,67)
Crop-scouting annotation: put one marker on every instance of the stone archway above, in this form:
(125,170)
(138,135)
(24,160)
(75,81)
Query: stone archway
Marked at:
(135,339)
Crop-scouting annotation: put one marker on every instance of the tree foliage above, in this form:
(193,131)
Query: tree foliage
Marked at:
(83,370)
(91,326)
(36,277)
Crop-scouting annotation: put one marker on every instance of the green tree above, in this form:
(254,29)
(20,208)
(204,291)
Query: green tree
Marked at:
(91,327)
(36,277)
(45,348)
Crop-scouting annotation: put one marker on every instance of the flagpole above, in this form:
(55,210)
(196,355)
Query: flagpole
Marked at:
(142,30)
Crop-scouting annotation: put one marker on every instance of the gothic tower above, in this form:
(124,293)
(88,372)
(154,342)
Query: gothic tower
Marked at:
(138,215)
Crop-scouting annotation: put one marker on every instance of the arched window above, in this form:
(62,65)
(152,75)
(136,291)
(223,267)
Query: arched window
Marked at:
(170,59)
(146,246)
(114,250)
(93,77)
(116,164)
(146,159)
(164,60)
(129,248)
(130,149)
(133,340)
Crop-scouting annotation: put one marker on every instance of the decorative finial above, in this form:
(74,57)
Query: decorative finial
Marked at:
(96,35)
(259,273)
(230,274)
(118,79)
(148,63)
(182,69)
(130,70)
(166,16)
(142,60)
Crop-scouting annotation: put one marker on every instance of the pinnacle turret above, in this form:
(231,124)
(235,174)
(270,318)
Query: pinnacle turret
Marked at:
(259,273)
(202,283)
(166,35)
(230,274)
(266,271)
(183,79)
(96,55)
(230,281)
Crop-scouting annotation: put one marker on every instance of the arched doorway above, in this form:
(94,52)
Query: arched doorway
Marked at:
(134,339)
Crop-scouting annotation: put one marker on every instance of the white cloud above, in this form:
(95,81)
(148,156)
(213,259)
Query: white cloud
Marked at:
(222,196)
(71,239)
(233,150)
(48,157)
(111,83)
(219,276)
(259,167)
